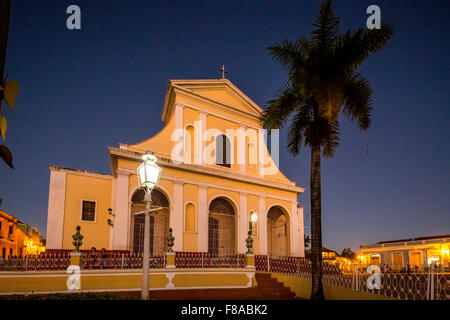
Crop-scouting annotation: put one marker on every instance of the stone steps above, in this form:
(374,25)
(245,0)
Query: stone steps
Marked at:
(268,289)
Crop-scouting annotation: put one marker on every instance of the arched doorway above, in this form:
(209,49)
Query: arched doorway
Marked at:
(277,232)
(159,222)
(221,227)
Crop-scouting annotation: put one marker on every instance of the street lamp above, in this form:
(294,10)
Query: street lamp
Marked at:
(148,174)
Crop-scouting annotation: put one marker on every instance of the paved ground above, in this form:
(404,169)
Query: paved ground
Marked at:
(268,289)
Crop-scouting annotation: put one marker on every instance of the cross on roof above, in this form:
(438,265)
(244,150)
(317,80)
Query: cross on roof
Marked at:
(223,71)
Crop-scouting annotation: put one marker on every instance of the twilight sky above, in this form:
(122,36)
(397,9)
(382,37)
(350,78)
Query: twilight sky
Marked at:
(82,91)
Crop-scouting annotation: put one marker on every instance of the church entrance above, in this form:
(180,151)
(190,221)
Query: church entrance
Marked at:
(221,228)
(277,232)
(159,222)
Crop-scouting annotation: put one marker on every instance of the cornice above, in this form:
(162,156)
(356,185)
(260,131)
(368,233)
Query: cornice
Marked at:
(163,162)
(80,172)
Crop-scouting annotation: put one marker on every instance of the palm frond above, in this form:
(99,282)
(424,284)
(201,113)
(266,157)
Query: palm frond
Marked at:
(331,139)
(299,126)
(357,105)
(327,25)
(278,110)
(288,53)
(355,46)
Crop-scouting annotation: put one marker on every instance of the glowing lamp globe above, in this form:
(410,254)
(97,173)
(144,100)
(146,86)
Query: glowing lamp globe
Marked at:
(254,216)
(148,172)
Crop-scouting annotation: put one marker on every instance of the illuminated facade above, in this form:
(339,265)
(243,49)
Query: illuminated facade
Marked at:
(216,172)
(17,238)
(333,258)
(416,253)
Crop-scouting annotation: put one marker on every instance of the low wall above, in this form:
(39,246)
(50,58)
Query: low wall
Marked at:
(302,289)
(26,282)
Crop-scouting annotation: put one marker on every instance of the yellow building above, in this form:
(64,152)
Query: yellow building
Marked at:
(17,238)
(333,258)
(415,252)
(216,171)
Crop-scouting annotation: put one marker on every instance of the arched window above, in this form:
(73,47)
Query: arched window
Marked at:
(158,198)
(189,149)
(189,218)
(223,150)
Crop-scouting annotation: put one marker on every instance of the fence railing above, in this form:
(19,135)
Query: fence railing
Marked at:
(61,261)
(407,286)
(431,285)
(120,260)
(57,261)
(207,260)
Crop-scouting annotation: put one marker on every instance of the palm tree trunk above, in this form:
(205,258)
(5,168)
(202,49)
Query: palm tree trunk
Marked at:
(316,225)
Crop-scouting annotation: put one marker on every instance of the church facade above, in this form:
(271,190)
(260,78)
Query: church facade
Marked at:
(216,173)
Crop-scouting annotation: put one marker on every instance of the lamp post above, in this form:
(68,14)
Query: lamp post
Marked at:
(148,176)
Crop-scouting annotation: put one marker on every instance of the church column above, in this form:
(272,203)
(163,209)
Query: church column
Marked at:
(241,149)
(202,220)
(261,154)
(294,230)
(178,116)
(176,216)
(56,212)
(242,223)
(202,137)
(178,155)
(121,218)
(113,207)
(301,232)
(262,217)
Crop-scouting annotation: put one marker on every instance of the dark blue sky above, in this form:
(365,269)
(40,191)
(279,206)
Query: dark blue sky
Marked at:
(82,91)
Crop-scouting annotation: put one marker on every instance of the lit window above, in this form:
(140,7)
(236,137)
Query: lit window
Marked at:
(88,211)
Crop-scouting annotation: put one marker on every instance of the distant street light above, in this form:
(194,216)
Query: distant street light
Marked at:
(148,176)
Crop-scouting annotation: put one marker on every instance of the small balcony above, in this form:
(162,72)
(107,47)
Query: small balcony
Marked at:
(2,235)
(11,237)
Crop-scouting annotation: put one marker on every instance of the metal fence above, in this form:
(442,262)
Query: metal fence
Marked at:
(429,285)
(120,260)
(207,260)
(61,260)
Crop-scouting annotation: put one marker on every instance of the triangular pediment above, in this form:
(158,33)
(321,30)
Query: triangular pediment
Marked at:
(220,91)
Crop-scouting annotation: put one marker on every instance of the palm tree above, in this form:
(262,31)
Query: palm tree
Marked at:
(323,82)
